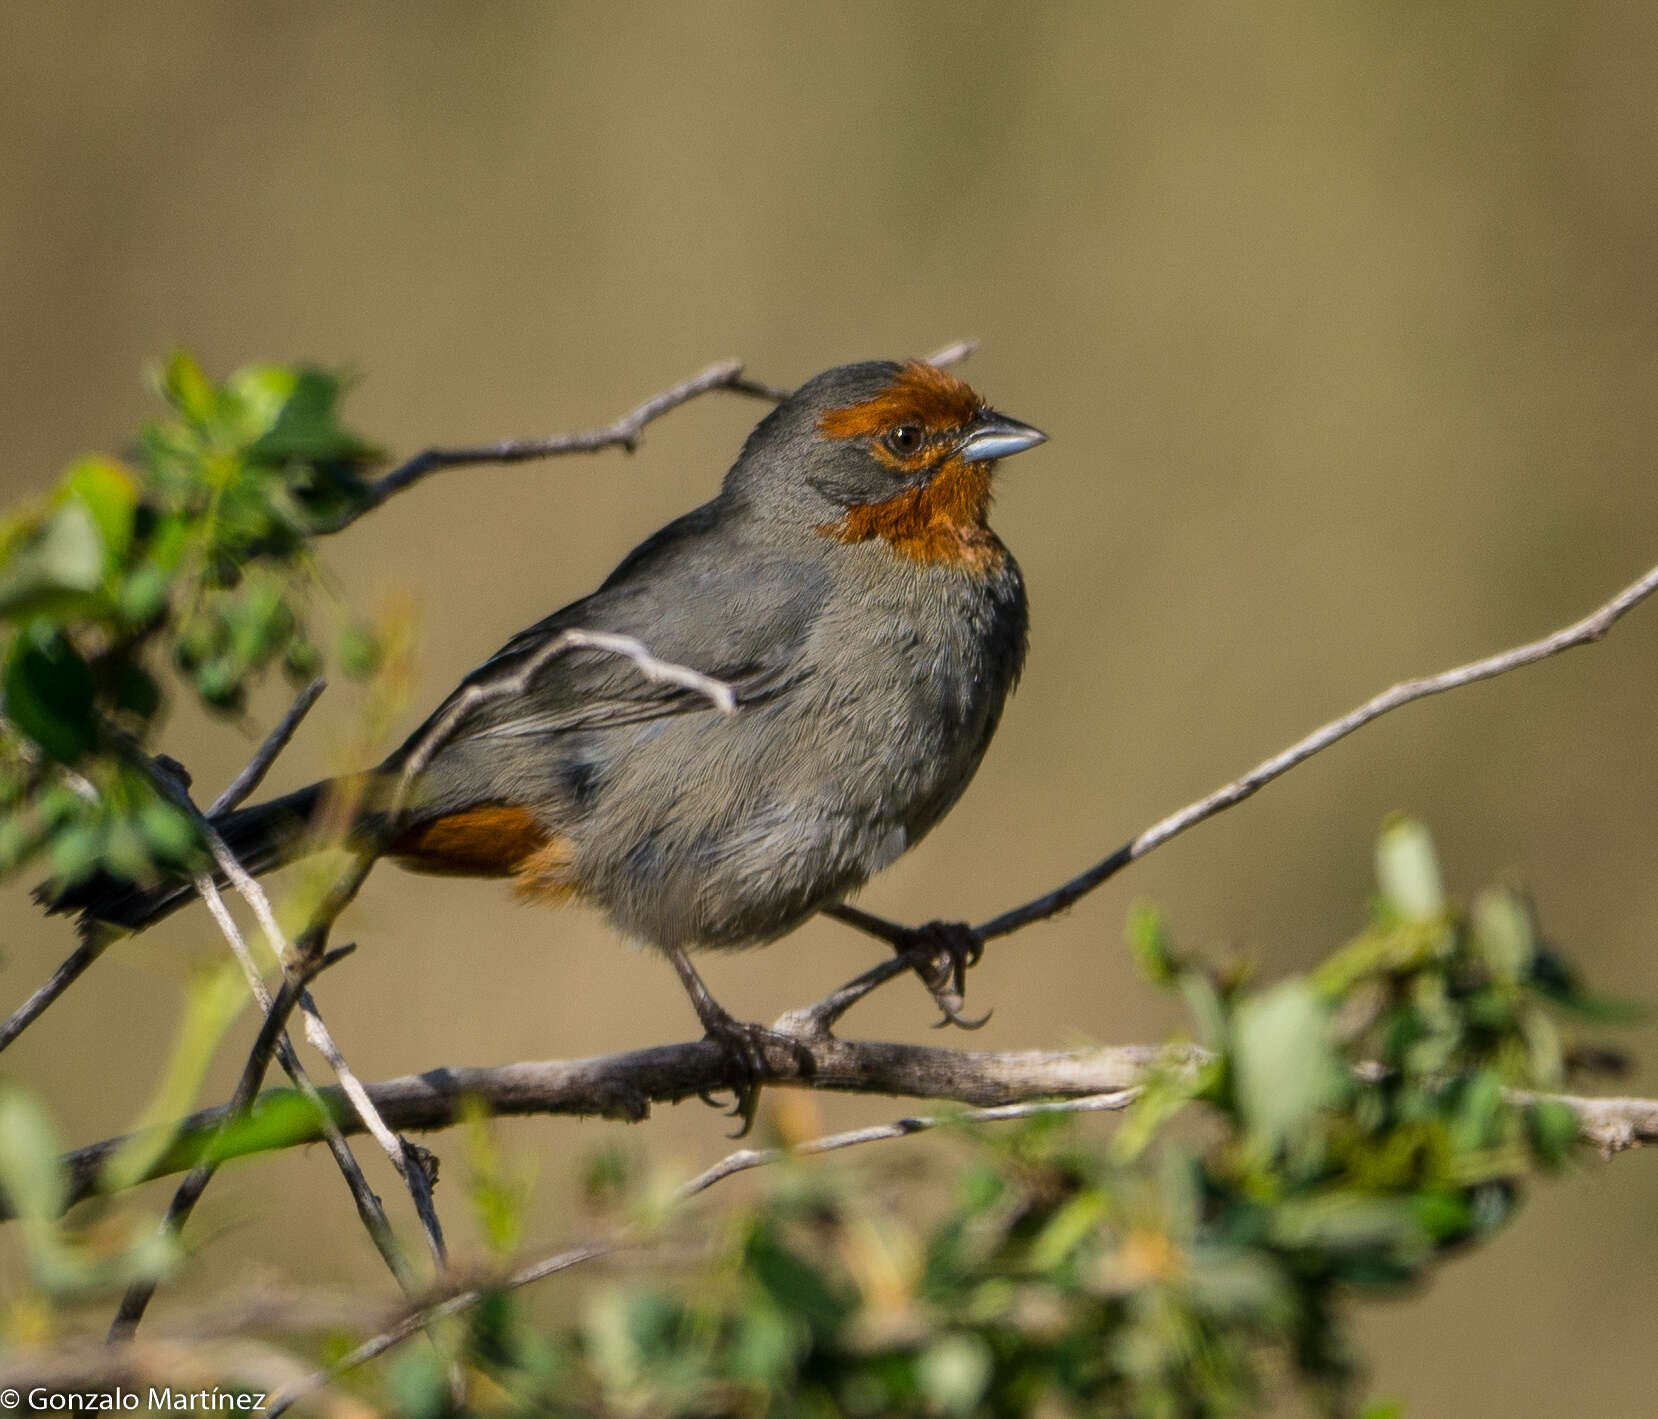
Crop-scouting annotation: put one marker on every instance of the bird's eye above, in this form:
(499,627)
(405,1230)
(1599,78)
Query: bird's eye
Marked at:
(906,438)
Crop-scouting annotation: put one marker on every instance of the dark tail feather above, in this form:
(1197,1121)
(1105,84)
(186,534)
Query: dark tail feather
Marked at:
(261,838)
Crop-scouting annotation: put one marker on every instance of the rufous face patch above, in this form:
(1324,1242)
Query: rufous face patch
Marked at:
(942,518)
(921,394)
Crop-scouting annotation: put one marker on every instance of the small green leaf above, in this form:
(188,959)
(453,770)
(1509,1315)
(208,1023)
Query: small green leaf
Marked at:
(1408,872)
(109,492)
(1283,1062)
(302,659)
(30,1171)
(125,853)
(306,429)
(71,551)
(170,835)
(75,852)
(1502,935)
(143,594)
(1148,939)
(48,695)
(64,559)
(184,385)
(1554,1131)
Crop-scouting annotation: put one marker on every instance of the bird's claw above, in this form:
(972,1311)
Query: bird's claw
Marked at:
(745,1047)
(948,949)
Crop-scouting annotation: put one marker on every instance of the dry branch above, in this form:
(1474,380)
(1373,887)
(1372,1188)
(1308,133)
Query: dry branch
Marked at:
(916,954)
(626,1085)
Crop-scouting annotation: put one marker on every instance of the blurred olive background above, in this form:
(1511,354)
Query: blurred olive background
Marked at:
(1341,319)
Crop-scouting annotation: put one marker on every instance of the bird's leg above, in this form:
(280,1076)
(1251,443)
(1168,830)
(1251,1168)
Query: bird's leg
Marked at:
(744,1045)
(947,949)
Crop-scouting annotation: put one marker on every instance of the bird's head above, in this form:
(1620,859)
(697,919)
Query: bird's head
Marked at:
(902,453)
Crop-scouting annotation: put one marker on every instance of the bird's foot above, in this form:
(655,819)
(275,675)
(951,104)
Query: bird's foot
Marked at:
(745,1046)
(945,950)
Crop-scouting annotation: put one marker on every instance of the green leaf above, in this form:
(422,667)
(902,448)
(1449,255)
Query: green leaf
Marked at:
(109,492)
(75,852)
(798,1286)
(1408,871)
(48,695)
(1284,1064)
(71,551)
(302,659)
(305,429)
(1502,935)
(29,1151)
(1148,939)
(65,556)
(187,388)
(1554,1131)
(1075,1221)
(125,853)
(170,835)
(143,594)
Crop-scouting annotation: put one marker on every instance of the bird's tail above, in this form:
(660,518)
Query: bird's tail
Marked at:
(261,838)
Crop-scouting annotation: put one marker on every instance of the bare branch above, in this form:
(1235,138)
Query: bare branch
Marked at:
(624,433)
(954,353)
(626,1085)
(267,754)
(138,1295)
(369,1209)
(67,973)
(1583,632)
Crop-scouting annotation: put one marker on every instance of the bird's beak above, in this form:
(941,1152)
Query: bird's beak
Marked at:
(997,436)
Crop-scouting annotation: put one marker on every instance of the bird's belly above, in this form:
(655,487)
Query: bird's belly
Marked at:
(729,833)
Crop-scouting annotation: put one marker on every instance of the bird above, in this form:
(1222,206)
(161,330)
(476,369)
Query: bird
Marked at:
(846,586)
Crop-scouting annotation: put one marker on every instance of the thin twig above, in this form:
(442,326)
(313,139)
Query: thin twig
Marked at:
(248,888)
(68,972)
(369,1208)
(97,941)
(624,433)
(139,1293)
(253,773)
(1583,632)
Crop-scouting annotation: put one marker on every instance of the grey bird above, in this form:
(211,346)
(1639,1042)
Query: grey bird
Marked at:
(844,583)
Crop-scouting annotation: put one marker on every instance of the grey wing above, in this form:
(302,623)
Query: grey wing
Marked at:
(741,616)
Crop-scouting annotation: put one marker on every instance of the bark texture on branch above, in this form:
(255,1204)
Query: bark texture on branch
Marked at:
(626,1085)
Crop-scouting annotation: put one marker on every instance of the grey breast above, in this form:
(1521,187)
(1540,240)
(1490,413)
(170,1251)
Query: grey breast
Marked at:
(756,822)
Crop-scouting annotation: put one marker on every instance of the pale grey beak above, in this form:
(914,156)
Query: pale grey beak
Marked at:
(997,436)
